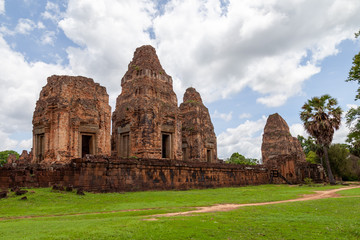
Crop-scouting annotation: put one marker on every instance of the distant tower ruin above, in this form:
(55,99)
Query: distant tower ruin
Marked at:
(278,143)
(145,123)
(198,136)
(72,118)
(280,151)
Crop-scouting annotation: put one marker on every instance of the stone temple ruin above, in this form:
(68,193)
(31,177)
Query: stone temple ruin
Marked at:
(198,136)
(154,143)
(146,121)
(71,119)
(282,152)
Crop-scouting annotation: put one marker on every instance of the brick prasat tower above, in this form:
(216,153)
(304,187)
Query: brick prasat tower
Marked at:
(72,118)
(198,136)
(145,123)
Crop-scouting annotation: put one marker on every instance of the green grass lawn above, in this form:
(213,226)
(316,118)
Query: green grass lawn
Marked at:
(337,218)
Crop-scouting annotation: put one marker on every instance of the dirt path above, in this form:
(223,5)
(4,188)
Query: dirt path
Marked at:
(215,208)
(228,207)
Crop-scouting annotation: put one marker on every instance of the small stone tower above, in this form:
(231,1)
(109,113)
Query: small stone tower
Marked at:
(72,118)
(146,119)
(198,136)
(278,142)
(280,151)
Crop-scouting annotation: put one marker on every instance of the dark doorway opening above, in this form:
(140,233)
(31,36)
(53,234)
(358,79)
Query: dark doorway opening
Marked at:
(40,148)
(86,146)
(208,155)
(166,145)
(125,145)
(185,157)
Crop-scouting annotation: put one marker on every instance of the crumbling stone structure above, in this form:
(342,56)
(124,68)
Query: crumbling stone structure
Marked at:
(283,153)
(175,147)
(110,174)
(145,123)
(71,119)
(198,136)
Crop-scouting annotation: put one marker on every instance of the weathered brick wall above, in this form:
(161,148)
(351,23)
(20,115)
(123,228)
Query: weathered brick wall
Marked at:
(101,174)
(104,174)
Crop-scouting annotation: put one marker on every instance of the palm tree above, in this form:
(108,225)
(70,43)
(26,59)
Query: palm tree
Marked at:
(321,117)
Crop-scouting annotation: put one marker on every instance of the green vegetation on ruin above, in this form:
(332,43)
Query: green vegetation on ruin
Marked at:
(334,218)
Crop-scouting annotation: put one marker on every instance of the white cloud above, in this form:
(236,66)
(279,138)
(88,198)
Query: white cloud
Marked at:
(245,139)
(6,142)
(24,26)
(298,129)
(108,33)
(2,6)
(224,116)
(52,12)
(258,44)
(25,144)
(48,38)
(40,25)
(21,82)
(340,135)
(245,115)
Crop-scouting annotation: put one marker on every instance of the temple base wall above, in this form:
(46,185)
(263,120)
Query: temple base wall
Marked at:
(104,174)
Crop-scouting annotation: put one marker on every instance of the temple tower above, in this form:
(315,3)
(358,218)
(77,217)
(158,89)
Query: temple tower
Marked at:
(72,118)
(198,136)
(146,118)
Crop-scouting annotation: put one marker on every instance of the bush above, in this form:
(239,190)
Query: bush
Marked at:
(5,154)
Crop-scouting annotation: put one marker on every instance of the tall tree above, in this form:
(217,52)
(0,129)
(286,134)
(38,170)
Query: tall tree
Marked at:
(237,158)
(354,74)
(353,115)
(321,117)
(353,138)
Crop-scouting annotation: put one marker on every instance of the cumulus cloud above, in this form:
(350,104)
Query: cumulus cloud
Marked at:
(244,115)
(246,139)
(270,46)
(298,129)
(224,116)
(219,47)
(52,12)
(48,38)
(2,6)
(21,82)
(24,26)
(108,33)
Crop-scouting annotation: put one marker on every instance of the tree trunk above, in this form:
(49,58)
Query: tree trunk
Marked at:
(331,176)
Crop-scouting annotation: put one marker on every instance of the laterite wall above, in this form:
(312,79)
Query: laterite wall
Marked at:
(100,174)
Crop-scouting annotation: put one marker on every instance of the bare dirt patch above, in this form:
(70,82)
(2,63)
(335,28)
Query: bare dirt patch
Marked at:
(228,207)
(215,208)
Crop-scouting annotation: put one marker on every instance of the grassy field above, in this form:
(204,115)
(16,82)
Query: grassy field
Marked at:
(336,218)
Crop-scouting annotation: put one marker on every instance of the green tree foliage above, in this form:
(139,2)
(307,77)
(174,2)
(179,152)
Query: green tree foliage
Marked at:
(237,158)
(342,163)
(352,117)
(5,154)
(312,157)
(353,138)
(321,117)
(354,73)
(313,151)
(308,144)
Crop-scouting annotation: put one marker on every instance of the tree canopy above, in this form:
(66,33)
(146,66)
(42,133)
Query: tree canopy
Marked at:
(354,73)
(5,154)
(353,115)
(321,117)
(237,158)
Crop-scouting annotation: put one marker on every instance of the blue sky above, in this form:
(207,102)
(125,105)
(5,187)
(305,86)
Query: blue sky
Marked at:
(247,58)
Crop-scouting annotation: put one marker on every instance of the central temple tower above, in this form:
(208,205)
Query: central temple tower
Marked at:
(146,118)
